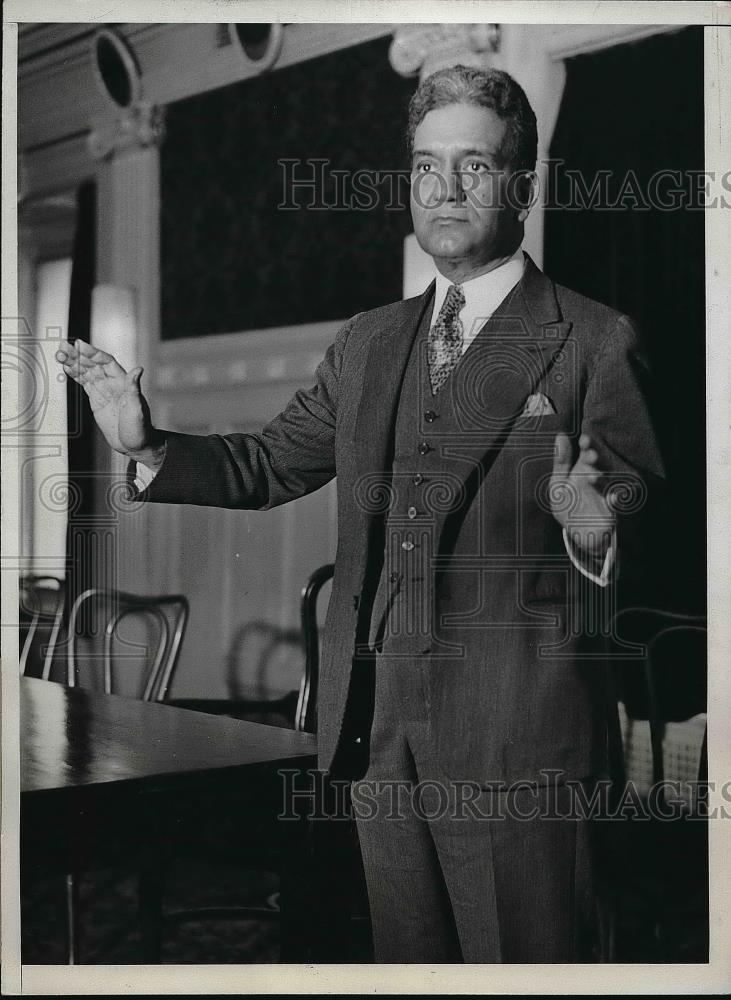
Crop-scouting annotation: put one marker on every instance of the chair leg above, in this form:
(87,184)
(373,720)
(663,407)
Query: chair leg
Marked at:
(72,918)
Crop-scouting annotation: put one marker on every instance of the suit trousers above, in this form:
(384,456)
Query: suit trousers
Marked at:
(458,873)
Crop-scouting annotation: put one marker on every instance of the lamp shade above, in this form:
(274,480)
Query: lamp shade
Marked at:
(114,323)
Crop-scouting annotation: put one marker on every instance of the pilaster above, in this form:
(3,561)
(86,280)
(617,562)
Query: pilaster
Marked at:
(125,147)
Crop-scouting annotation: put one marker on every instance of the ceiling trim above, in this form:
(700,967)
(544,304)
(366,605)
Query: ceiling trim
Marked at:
(57,98)
(566,40)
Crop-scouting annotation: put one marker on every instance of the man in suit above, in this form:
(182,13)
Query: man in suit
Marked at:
(493,450)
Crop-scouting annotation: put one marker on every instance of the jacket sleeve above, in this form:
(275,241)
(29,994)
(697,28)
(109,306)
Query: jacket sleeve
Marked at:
(618,416)
(293,455)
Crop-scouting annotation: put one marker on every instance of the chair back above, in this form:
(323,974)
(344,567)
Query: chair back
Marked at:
(263,662)
(41,612)
(674,661)
(681,643)
(306,715)
(100,612)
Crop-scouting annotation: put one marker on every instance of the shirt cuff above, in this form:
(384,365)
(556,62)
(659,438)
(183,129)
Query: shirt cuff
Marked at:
(587,566)
(143,476)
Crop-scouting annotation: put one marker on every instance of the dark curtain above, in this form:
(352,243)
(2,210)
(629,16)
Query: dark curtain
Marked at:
(635,110)
(230,257)
(81,439)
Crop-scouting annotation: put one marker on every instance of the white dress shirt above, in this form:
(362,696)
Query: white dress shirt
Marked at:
(483,295)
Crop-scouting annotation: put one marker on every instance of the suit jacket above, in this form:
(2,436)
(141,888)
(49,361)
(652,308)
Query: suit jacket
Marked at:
(529,690)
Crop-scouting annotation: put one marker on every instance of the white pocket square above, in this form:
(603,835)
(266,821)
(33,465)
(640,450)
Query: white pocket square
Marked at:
(537,405)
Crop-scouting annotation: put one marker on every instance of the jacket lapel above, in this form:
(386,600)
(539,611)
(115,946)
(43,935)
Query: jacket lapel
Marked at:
(528,321)
(385,366)
(506,362)
(504,365)
(515,348)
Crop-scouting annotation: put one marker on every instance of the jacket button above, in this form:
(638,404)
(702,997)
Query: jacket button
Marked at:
(412,512)
(407,545)
(424,448)
(418,479)
(430,416)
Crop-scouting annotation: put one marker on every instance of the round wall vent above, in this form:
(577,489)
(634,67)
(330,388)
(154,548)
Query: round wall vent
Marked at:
(260,44)
(116,70)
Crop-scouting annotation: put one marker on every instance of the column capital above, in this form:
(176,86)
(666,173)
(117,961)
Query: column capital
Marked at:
(424,48)
(136,127)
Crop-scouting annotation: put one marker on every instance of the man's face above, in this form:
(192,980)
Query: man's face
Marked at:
(458,187)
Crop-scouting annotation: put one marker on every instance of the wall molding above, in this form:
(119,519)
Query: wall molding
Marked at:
(257,357)
(62,166)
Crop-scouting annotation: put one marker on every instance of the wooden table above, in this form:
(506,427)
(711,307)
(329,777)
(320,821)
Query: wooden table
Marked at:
(93,763)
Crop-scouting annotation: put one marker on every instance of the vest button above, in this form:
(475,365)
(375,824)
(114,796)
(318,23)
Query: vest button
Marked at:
(407,545)
(424,448)
(412,512)
(430,416)
(418,479)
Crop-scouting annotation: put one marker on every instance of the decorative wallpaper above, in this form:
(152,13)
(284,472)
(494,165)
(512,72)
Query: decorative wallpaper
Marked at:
(232,258)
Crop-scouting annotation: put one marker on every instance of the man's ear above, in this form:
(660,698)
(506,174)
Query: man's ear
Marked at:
(527,189)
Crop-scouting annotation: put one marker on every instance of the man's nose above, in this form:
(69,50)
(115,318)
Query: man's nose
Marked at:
(455,186)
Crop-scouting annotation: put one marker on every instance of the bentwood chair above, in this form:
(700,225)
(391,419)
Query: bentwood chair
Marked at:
(258,850)
(306,714)
(96,616)
(42,600)
(263,662)
(99,613)
(656,870)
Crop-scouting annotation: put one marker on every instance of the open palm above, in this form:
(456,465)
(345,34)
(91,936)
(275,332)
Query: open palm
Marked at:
(579,502)
(119,408)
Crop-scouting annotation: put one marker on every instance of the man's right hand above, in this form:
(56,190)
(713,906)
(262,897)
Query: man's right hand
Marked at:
(119,408)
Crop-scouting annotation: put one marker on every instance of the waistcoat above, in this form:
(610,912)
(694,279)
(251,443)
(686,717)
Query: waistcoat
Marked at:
(425,486)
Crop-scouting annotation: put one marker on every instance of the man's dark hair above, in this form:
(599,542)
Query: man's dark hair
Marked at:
(485,88)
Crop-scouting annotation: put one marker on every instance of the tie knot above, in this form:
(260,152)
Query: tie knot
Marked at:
(453,301)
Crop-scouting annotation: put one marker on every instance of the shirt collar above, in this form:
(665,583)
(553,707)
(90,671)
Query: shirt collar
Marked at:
(484,293)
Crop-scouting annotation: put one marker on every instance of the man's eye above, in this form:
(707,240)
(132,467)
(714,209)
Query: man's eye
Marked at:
(476,166)
(423,167)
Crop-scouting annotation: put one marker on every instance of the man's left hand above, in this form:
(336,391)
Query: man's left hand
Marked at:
(578,501)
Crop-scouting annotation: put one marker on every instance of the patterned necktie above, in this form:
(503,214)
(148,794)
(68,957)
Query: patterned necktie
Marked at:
(445,339)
